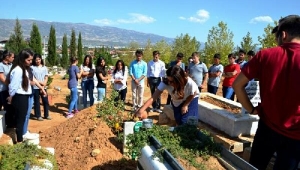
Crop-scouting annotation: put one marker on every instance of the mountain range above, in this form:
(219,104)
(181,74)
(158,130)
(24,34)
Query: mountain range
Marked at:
(92,35)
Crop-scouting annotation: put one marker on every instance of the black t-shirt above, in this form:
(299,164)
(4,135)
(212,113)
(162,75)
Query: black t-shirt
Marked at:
(100,81)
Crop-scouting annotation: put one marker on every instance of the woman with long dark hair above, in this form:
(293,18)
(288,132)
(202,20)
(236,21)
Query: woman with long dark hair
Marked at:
(184,94)
(102,78)
(40,72)
(119,78)
(19,89)
(5,65)
(87,80)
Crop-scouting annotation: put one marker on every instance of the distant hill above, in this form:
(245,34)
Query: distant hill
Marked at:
(91,34)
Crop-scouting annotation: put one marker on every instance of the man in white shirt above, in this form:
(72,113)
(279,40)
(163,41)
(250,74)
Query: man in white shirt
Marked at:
(155,73)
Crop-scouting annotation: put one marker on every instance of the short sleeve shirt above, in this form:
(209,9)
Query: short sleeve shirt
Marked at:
(73,81)
(4,68)
(215,81)
(196,72)
(189,89)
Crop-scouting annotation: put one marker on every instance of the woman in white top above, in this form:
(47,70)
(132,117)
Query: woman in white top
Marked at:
(20,89)
(119,78)
(87,80)
(184,94)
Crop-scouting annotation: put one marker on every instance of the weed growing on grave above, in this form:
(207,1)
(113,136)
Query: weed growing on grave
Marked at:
(184,142)
(16,156)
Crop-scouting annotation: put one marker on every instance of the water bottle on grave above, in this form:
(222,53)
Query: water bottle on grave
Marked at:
(57,88)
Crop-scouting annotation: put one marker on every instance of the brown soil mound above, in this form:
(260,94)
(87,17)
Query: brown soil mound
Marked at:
(75,139)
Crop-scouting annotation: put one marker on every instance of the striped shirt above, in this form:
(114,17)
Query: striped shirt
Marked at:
(39,74)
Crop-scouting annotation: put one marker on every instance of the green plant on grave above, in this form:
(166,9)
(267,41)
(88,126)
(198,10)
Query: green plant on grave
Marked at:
(112,112)
(184,142)
(68,98)
(50,79)
(16,156)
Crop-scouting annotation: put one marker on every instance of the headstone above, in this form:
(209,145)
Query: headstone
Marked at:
(252,90)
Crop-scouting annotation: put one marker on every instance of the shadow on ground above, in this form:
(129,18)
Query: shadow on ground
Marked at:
(122,164)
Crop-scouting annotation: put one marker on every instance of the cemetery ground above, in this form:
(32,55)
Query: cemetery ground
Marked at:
(75,140)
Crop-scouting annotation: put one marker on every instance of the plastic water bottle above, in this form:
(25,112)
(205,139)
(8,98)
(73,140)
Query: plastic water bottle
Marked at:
(57,88)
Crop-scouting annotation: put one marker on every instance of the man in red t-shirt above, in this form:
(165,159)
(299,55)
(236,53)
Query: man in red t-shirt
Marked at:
(278,71)
(230,73)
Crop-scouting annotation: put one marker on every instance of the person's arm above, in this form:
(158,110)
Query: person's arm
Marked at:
(144,74)
(205,77)
(78,73)
(186,103)
(155,95)
(2,78)
(239,89)
(131,71)
(15,80)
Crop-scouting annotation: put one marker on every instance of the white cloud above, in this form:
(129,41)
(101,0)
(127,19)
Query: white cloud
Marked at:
(137,18)
(200,17)
(182,18)
(261,19)
(103,21)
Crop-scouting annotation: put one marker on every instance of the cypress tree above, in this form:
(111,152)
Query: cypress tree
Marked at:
(79,49)
(73,44)
(52,58)
(16,41)
(64,59)
(35,42)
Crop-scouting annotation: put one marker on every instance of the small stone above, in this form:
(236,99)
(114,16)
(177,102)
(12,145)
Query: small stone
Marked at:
(77,139)
(95,152)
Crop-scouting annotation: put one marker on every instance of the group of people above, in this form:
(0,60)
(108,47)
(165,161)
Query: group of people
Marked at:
(23,80)
(86,73)
(276,69)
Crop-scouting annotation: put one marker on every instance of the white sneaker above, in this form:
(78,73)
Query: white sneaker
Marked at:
(158,110)
(30,136)
(151,110)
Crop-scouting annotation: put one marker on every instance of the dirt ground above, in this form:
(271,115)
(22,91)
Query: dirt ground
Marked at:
(75,139)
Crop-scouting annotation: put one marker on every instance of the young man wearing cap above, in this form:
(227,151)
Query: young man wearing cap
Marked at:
(214,75)
(156,71)
(230,73)
(197,70)
(277,70)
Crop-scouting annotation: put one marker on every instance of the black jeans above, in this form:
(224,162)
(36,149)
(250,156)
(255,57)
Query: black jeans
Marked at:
(212,89)
(37,107)
(10,117)
(122,95)
(20,104)
(153,83)
(267,142)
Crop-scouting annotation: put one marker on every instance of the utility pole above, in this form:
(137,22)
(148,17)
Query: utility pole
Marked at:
(44,55)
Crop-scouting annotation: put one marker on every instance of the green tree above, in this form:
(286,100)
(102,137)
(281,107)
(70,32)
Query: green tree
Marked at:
(148,51)
(219,40)
(133,46)
(16,40)
(165,51)
(79,49)
(73,45)
(186,45)
(35,42)
(247,43)
(52,57)
(268,39)
(64,58)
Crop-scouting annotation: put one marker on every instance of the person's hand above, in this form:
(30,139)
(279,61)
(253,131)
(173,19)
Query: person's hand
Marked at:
(184,109)
(42,83)
(136,82)
(9,98)
(44,93)
(138,113)
(255,112)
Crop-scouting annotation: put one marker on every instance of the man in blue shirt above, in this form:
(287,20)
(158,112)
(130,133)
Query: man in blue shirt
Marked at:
(214,75)
(138,71)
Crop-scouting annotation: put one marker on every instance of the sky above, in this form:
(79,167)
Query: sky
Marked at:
(169,18)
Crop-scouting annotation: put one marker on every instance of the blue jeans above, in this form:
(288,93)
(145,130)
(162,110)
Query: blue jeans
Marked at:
(87,85)
(30,103)
(212,89)
(101,94)
(266,142)
(227,92)
(192,111)
(73,99)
